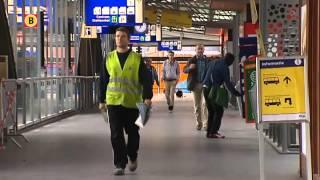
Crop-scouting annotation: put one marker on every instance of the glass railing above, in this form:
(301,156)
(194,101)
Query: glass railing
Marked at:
(40,99)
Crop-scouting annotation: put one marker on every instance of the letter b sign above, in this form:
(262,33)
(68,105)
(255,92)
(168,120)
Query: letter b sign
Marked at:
(31,21)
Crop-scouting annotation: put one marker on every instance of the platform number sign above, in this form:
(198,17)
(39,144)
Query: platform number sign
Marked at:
(31,21)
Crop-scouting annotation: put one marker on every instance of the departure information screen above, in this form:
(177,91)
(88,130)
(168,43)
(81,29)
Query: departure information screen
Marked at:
(169,45)
(138,34)
(113,12)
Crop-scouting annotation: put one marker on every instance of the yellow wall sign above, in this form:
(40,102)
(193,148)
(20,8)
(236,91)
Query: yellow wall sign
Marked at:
(150,15)
(176,18)
(281,89)
(31,21)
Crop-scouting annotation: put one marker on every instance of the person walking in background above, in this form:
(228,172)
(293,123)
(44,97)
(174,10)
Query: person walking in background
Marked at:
(217,75)
(152,71)
(124,81)
(170,76)
(196,69)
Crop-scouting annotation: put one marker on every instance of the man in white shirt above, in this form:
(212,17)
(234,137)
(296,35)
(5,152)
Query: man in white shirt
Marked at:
(170,76)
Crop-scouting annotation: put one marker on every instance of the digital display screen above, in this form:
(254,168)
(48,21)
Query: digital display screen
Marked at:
(113,13)
(169,45)
(138,34)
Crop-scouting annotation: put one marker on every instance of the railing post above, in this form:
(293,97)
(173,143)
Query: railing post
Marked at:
(31,100)
(24,102)
(61,91)
(39,99)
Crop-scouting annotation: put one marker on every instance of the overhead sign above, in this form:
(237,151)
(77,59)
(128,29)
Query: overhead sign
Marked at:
(113,13)
(88,32)
(150,15)
(282,89)
(169,45)
(146,33)
(176,18)
(31,21)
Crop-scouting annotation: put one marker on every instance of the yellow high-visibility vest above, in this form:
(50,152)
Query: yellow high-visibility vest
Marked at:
(123,87)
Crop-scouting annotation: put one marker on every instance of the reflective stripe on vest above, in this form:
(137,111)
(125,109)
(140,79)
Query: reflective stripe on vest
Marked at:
(123,87)
(123,80)
(125,90)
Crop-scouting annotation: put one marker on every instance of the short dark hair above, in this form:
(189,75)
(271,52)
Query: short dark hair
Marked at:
(125,30)
(170,52)
(146,59)
(229,58)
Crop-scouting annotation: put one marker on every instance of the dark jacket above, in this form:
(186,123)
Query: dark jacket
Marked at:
(193,73)
(218,74)
(153,74)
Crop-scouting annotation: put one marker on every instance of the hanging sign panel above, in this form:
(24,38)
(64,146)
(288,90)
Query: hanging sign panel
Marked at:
(88,32)
(146,33)
(176,18)
(282,89)
(150,15)
(169,45)
(113,13)
(143,33)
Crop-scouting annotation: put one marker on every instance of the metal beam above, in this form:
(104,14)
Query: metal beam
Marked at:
(168,34)
(218,24)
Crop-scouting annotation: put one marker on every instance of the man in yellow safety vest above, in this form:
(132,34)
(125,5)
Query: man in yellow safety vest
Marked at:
(124,81)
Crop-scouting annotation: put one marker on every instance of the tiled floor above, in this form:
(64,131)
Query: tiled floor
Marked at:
(79,148)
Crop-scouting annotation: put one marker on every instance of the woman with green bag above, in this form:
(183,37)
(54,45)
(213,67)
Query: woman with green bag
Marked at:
(216,96)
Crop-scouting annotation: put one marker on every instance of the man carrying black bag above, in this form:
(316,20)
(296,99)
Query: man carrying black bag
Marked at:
(217,75)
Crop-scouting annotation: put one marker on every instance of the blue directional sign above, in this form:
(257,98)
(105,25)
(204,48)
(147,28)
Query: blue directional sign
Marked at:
(112,12)
(169,45)
(138,34)
(146,33)
(111,29)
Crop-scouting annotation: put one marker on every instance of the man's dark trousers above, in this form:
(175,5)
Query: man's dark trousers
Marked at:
(120,119)
(215,114)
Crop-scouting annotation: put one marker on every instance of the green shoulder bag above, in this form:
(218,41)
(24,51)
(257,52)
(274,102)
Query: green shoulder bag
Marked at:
(219,95)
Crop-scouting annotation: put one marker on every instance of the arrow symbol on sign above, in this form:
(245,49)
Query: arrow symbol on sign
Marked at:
(287,79)
(288,100)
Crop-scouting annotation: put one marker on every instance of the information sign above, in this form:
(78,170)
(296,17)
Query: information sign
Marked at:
(282,89)
(113,13)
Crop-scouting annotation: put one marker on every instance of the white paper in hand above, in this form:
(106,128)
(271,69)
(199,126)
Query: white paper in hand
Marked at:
(144,113)
(105,116)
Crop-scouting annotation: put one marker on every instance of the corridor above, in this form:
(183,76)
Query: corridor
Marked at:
(78,148)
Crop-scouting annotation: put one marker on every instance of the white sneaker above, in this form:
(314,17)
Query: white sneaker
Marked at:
(118,172)
(133,165)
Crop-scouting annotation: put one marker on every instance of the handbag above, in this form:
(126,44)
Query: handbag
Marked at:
(219,95)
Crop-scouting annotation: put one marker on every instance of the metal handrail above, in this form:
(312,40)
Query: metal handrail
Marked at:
(41,98)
